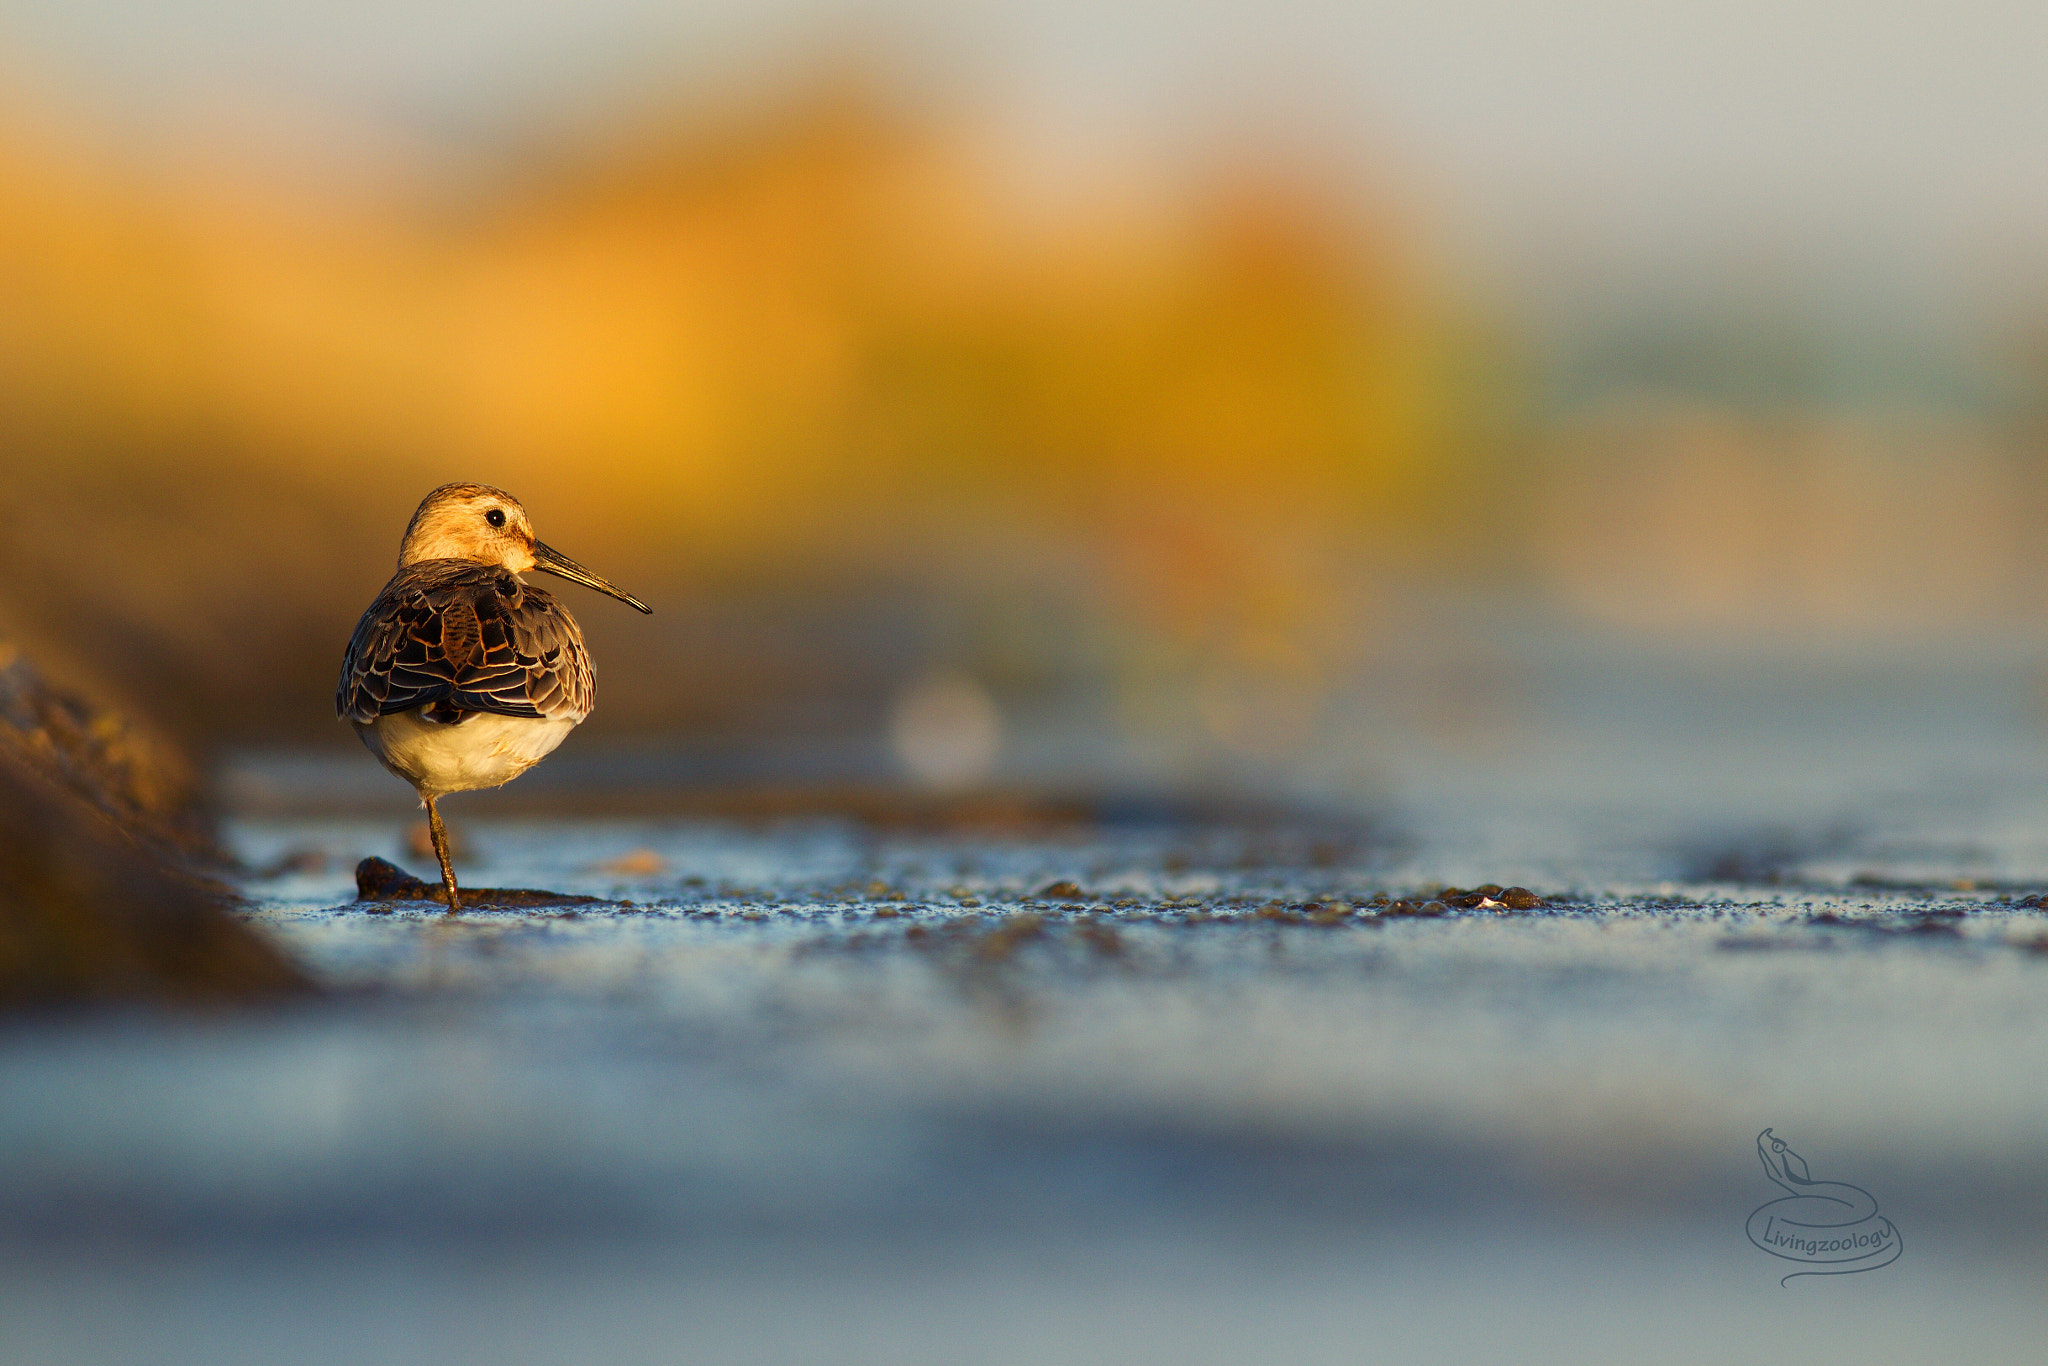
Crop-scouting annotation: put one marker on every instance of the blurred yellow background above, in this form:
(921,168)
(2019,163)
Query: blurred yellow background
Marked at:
(818,359)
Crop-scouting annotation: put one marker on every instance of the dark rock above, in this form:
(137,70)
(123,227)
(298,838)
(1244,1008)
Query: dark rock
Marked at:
(1919,925)
(1931,924)
(1062,891)
(1000,942)
(380,880)
(1103,939)
(293,861)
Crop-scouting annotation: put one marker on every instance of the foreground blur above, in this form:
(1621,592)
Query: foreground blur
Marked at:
(1116,1086)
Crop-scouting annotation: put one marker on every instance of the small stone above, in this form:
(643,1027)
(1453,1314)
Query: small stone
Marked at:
(1521,899)
(1008,936)
(419,843)
(294,862)
(1061,891)
(634,863)
(1099,937)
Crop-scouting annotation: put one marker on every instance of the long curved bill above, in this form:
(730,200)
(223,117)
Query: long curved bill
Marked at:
(553,561)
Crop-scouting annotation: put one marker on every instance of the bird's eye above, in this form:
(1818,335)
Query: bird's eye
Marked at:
(496,516)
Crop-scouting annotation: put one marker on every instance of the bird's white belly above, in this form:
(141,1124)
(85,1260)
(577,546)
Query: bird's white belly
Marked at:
(484,749)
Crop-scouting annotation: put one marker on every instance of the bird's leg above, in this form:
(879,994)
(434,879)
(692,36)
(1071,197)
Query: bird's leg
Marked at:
(440,834)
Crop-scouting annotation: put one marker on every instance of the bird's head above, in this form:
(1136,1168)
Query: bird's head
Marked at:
(484,525)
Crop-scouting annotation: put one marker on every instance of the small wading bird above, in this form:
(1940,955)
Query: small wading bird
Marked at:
(462,675)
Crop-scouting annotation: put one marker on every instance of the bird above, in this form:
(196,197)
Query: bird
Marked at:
(461,675)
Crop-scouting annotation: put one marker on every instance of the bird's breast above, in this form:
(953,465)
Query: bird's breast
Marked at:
(484,749)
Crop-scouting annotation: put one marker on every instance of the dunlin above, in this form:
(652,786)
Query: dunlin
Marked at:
(462,675)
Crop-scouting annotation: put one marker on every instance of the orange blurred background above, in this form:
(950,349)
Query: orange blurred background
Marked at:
(880,422)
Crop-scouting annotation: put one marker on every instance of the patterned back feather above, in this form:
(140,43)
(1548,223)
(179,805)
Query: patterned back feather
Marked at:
(471,637)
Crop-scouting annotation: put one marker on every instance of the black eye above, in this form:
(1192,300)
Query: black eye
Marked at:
(496,516)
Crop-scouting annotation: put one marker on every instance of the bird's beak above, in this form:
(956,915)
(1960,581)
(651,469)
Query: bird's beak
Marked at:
(552,561)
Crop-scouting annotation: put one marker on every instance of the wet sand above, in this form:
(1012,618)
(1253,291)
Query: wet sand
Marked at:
(800,1085)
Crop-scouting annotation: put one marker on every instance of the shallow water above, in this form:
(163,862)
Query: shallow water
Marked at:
(807,1087)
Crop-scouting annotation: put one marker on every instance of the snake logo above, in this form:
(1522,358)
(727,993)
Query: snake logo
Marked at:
(1830,1226)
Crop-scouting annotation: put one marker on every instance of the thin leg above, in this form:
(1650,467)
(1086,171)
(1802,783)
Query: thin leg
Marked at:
(440,834)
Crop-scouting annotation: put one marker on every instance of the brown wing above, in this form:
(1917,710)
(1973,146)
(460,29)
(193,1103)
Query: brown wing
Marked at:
(470,635)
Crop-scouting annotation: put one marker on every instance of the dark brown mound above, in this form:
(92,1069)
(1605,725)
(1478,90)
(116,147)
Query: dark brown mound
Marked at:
(88,912)
(119,767)
(381,880)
